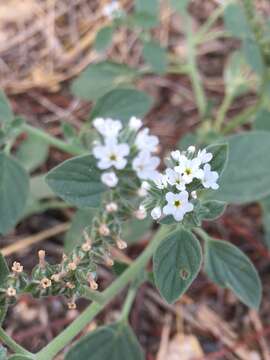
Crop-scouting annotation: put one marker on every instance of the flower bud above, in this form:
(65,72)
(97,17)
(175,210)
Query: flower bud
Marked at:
(191,149)
(72,266)
(92,283)
(41,256)
(86,246)
(56,277)
(108,261)
(121,244)
(104,230)
(17,267)
(111,207)
(156,213)
(135,123)
(11,291)
(194,194)
(140,214)
(70,285)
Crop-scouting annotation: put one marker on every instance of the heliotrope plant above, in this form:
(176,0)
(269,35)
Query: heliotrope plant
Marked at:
(122,178)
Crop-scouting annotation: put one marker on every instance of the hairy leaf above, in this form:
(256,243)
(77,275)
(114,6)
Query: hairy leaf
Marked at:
(177,262)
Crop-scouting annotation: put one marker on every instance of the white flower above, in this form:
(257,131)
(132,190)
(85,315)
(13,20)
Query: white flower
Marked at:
(156,213)
(204,156)
(111,10)
(135,123)
(175,178)
(177,205)
(111,154)
(109,179)
(144,141)
(210,178)
(160,181)
(190,169)
(145,165)
(107,127)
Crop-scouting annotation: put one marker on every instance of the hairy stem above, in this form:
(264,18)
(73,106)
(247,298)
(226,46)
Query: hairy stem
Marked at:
(59,144)
(92,310)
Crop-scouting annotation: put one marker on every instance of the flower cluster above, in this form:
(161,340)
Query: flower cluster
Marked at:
(124,149)
(178,185)
(112,10)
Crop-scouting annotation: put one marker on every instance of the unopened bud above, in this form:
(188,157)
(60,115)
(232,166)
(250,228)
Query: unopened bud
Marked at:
(104,230)
(41,256)
(11,292)
(70,285)
(140,214)
(191,149)
(194,194)
(45,283)
(56,277)
(109,261)
(111,207)
(17,267)
(93,284)
(72,266)
(121,244)
(142,192)
(64,257)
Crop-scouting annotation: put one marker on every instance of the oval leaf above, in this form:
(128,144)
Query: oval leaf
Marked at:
(77,181)
(247,175)
(220,157)
(104,38)
(113,342)
(99,79)
(6,114)
(229,267)
(211,209)
(122,104)
(14,188)
(177,262)
(155,56)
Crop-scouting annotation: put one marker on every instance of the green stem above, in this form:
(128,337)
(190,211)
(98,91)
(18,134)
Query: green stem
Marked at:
(94,296)
(193,69)
(228,98)
(12,344)
(92,310)
(59,144)
(203,234)
(128,303)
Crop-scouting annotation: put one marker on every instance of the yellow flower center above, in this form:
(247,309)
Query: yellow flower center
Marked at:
(113,157)
(188,171)
(177,203)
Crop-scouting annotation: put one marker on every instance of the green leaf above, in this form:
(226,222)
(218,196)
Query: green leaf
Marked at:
(229,267)
(150,7)
(113,342)
(253,55)
(179,5)
(133,230)
(80,221)
(262,120)
(122,104)
(177,262)
(211,209)
(14,189)
(104,38)
(6,114)
(32,153)
(20,357)
(142,20)
(98,79)
(3,353)
(4,270)
(236,75)
(247,175)
(235,21)
(220,157)
(265,204)
(155,56)
(77,181)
